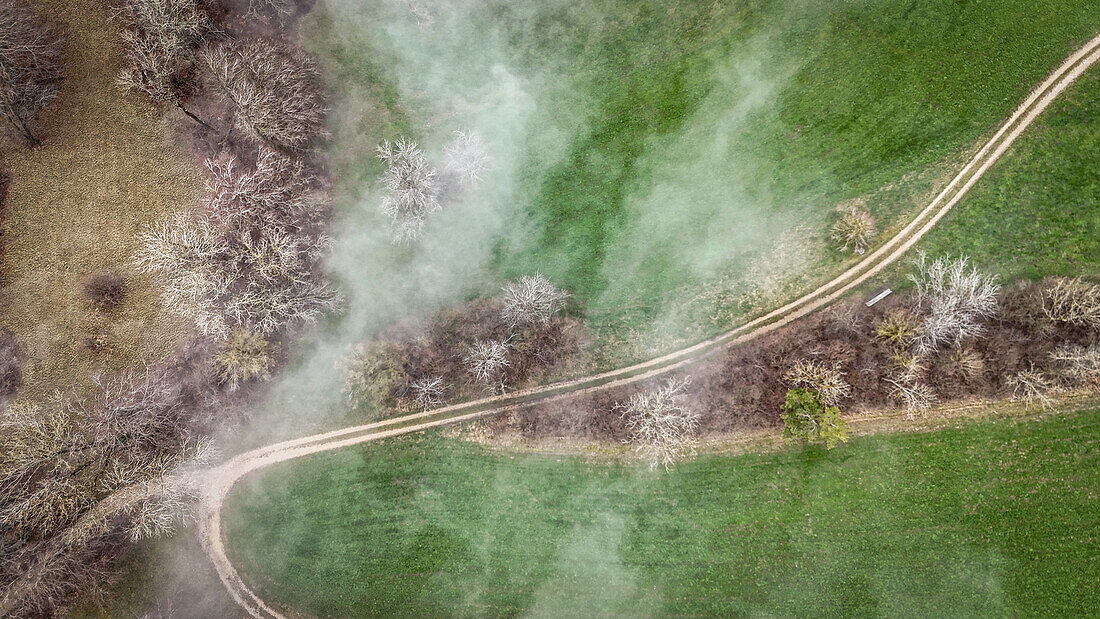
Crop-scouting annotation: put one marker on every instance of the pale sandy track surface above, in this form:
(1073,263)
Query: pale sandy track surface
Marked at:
(219,481)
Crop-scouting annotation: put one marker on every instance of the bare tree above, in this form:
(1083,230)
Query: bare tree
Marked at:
(532,299)
(276,190)
(854,229)
(952,300)
(486,361)
(916,396)
(279,8)
(251,263)
(161,38)
(661,424)
(30,67)
(276,93)
(466,158)
(1074,301)
(412,189)
(1031,386)
(827,380)
(428,392)
(1078,364)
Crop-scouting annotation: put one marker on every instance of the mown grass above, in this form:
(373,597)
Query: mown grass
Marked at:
(677,148)
(1037,213)
(76,205)
(991,518)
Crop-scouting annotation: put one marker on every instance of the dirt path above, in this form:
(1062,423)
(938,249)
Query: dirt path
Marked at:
(225,476)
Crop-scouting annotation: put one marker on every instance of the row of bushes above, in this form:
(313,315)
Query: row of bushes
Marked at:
(955,336)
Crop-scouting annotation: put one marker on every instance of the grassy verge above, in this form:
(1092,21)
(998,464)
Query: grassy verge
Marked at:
(76,205)
(678,166)
(990,518)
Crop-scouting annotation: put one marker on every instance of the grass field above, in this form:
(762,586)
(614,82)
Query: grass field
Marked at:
(105,171)
(991,518)
(1037,213)
(675,166)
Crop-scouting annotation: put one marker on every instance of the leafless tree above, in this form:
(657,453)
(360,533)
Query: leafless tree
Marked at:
(30,67)
(275,92)
(952,300)
(486,361)
(161,39)
(661,424)
(277,190)
(1074,301)
(532,299)
(854,229)
(412,188)
(279,8)
(428,392)
(1078,364)
(827,380)
(250,263)
(466,159)
(915,395)
(1032,386)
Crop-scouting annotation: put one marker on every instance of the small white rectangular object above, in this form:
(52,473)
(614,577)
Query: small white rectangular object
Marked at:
(878,297)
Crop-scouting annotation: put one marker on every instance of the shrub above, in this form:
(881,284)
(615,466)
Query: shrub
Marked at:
(412,189)
(897,327)
(661,424)
(532,299)
(105,289)
(1022,306)
(243,357)
(806,418)
(854,229)
(827,381)
(11,363)
(275,92)
(908,366)
(30,67)
(1073,301)
(961,362)
(952,300)
(370,377)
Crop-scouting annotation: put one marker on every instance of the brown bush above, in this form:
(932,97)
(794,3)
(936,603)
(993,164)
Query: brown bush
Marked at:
(105,289)
(11,363)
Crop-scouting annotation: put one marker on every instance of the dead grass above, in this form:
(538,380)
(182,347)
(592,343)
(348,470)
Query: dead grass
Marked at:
(107,168)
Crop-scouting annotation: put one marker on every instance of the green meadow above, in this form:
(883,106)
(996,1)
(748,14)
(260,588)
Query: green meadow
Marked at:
(987,518)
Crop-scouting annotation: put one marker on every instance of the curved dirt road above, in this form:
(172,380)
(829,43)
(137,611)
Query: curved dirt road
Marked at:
(223,478)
